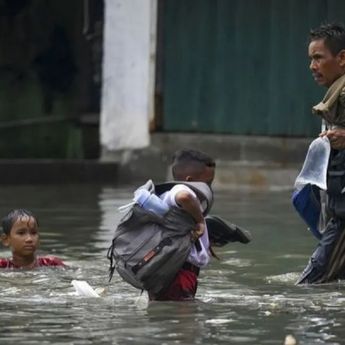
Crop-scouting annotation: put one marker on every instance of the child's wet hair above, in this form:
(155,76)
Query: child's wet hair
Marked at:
(187,161)
(13,216)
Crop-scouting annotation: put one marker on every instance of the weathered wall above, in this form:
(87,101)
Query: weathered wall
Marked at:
(241,67)
(128,73)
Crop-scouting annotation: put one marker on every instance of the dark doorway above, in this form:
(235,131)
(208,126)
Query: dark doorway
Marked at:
(50,78)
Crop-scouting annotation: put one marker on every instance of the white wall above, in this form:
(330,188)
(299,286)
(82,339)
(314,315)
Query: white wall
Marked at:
(128,73)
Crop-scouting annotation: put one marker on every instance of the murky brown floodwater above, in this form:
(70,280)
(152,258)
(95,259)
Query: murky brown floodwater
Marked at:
(248,297)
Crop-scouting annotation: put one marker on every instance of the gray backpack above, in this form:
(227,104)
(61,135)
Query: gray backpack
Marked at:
(147,249)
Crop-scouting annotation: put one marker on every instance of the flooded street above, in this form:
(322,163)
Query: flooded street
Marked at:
(248,297)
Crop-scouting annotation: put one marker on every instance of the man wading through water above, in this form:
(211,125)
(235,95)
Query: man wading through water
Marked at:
(327,64)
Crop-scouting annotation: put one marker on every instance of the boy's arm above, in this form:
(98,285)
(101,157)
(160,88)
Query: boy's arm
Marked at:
(192,205)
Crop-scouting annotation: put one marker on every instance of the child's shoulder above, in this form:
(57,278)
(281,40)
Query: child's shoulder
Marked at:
(169,197)
(180,187)
(49,261)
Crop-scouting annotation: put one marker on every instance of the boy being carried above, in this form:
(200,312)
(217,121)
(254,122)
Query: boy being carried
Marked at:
(190,166)
(162,242)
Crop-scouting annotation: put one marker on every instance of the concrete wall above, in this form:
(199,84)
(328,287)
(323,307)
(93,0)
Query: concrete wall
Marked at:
(245,162)
(128,74)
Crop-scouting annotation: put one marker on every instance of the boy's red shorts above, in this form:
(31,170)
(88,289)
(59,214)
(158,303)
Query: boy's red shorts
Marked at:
(182,288)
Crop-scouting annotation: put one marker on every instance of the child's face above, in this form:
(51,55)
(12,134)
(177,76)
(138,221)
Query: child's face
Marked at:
(23,238)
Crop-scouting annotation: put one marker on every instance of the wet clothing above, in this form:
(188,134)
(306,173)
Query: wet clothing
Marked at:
(41,261)
(183,287)
(328,260)
(185,283)
(196,257)
(332,107)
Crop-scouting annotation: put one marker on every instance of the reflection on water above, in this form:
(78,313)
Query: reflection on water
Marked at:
(248,297)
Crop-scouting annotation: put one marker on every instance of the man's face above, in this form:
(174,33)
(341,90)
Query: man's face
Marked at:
(23,238)
(325,67)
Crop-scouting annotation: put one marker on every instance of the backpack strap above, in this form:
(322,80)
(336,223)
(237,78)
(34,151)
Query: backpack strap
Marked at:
(201,189)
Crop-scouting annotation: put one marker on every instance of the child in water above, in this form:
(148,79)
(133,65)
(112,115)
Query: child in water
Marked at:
(21,235)
(192,166)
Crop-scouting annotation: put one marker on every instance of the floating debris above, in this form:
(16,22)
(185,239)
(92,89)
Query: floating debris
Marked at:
(290,340)
(84,289)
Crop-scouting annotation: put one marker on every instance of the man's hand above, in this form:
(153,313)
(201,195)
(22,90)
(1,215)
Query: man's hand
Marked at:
(336,138)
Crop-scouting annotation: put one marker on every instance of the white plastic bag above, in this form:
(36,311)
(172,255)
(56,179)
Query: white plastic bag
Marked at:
(83,288)
(314,170)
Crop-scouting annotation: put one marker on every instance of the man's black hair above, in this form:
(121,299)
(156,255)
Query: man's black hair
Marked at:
(13,216)
(185,159)
(333,35)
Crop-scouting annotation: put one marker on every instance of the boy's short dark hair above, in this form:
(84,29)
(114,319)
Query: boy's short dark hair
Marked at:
(13,216)
(333,35)
(186,158)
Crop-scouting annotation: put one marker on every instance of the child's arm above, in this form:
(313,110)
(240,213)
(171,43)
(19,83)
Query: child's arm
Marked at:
(192,205)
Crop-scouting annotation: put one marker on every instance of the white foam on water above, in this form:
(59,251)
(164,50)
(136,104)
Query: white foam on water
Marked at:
(142,301)
(219,321)
(290,277)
